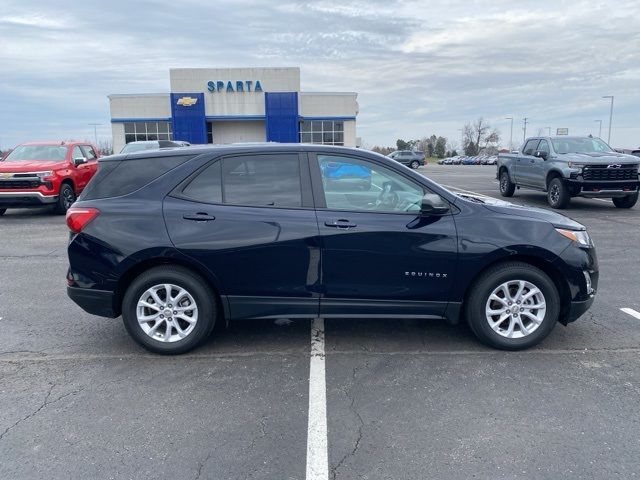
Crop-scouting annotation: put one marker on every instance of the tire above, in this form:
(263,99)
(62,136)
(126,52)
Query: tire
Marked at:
(513,275)
(66,197)
(205,311)
(507,187)
(626,202)
(2,211)
(414,164)
(558,194)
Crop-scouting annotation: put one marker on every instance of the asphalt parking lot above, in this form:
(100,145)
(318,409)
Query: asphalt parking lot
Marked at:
(405,399)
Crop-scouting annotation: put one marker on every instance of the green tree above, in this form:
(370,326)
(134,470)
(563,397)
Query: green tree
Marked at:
(440,147)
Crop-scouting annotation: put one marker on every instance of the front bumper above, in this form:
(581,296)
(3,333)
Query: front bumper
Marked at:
(16,199)
(604,189)
(577,308)
(95,302)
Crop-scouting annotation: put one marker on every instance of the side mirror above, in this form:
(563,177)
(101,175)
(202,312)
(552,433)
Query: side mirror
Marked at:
(433,205)
(79,161)
(540,154)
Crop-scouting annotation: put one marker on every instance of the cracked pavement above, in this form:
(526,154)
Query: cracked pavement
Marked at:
(406,399)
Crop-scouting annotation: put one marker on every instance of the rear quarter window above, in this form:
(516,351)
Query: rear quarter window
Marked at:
(115,179)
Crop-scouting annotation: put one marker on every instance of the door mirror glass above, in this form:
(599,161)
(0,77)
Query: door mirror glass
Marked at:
(79,161)
(540,154)
(433,204)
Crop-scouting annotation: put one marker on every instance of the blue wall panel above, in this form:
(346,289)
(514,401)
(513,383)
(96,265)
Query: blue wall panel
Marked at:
(189,123)
(281,111)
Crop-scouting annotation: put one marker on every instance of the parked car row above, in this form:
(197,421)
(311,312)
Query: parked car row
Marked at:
(469,160)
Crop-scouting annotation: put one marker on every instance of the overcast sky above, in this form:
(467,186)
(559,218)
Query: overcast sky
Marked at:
(419,67)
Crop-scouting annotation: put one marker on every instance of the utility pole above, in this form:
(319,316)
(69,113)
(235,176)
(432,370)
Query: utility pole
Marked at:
(95,132)
(461,139)
(524,129)
(610,117)
(510,134)
(600,129)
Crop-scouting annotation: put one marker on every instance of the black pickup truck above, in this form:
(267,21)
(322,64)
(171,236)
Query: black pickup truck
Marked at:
(566,167)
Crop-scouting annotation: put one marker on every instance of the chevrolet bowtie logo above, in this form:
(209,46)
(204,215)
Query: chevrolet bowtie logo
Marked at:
(615,165)
(187,101)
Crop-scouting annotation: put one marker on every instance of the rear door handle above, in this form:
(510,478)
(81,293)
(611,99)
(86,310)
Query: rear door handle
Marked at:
(199,217)
(341,223)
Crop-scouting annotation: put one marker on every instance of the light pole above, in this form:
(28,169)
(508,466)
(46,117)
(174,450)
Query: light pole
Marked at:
(461,139)
(600,129)
(510,134)
(610,117)
(548,131)
(524,129)
(95,132)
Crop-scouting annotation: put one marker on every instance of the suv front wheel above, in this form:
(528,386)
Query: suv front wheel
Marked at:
(513,306)
(626,202)
(66,197)
(558,194)
(414,164)
(169,310)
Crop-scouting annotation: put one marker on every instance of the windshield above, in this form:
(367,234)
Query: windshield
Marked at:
(138,147)
(580,145)
(37,152)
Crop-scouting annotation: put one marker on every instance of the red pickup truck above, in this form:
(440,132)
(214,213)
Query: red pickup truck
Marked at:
(46,173)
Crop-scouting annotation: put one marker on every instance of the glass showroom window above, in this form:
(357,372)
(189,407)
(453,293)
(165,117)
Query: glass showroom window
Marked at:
(323,132)
(142,131)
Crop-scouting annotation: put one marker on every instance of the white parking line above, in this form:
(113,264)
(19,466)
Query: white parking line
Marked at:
(317,455)
(632,312)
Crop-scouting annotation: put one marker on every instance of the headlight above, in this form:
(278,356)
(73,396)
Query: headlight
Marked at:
(575,164)
(44,174)
(581,237)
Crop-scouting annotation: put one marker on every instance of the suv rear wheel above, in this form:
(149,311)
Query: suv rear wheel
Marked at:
(414,164)
(626,202)
(169,310)
(558,194)
(507,187)
(513,306)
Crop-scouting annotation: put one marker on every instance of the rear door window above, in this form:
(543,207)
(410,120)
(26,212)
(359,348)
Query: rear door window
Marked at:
(272,180)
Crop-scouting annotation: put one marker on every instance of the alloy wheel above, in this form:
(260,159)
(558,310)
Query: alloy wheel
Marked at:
(167,312)
(555,194)
(515,309)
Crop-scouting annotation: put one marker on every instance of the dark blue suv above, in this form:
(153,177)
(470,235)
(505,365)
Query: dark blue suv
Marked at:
(177,241)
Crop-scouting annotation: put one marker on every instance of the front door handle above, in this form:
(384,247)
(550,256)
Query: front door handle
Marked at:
(199,217)
(341,223)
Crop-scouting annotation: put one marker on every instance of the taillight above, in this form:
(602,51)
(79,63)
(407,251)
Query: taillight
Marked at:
(78,218)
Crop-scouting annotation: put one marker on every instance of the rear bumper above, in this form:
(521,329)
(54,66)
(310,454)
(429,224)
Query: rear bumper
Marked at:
(16,199)
(95,302)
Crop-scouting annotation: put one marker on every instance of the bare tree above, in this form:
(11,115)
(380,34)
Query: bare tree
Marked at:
(479,136)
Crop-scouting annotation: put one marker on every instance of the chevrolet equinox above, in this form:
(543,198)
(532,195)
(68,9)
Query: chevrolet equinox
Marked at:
(180,240)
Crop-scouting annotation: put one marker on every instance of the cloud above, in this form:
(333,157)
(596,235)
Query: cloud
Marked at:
(419,67)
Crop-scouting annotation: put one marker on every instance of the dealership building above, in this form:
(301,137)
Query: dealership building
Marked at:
(231,105)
